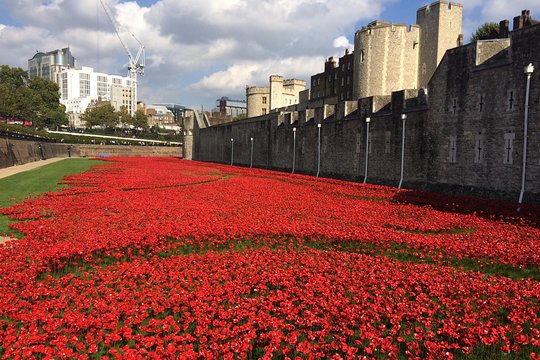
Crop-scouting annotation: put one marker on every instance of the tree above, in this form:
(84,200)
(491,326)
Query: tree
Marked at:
(488,30)
(102,114)
(51,113)
(240,117)
(140,121)
(124,116)
(36,100)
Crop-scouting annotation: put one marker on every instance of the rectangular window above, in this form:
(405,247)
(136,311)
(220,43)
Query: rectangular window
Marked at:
(452,158)
(348,79)
(387,135)
(358,143)
(511,100)
(264,111)
(509,138)
(84,85)
(479,149)
(481,105)
(264,100)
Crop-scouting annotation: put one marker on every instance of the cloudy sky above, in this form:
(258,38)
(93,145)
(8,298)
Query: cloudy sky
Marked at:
(200,50)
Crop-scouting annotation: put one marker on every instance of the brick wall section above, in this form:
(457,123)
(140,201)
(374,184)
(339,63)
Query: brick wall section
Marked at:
(463,136)
(487,101)
(18,152)
(342,146)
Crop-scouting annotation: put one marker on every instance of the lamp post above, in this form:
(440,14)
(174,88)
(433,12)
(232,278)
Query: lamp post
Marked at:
(251,155)
(368,120)
(404,118)
(319,150)
(293,150)
(232,150)
(528,70)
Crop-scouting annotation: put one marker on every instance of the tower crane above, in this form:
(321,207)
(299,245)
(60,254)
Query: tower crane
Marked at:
(136,63)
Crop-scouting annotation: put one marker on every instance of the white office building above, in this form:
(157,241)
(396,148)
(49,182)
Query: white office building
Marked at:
(82,87)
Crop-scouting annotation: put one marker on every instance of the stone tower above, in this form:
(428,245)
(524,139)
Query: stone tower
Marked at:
(385,59)
(276,91)
(440,30)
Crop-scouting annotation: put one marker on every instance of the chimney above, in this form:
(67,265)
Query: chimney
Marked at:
(504,29)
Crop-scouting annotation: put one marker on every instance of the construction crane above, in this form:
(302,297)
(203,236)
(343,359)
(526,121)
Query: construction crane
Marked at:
(135,63)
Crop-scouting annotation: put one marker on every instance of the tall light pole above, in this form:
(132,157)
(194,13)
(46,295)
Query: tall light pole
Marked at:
(251,155)
(404,118)
(319,150)
(529,69)
(293,150)
(232,151)
(368,120)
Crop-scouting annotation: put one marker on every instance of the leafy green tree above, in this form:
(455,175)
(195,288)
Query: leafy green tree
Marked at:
(36,100)
(51,113)
(140,121)
(102,114)
(124,116)
(240,117)
(488,30)
(15,77)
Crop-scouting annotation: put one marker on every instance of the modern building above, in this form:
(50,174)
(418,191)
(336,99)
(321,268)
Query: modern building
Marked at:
(177,110)
(80,87)
(230,107)
(263,99)
(159,115)
(49,65)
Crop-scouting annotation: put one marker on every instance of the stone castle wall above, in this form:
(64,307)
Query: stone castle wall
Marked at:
(18,152)
(464,136)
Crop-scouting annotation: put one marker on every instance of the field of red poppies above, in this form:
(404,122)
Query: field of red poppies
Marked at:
(165,258)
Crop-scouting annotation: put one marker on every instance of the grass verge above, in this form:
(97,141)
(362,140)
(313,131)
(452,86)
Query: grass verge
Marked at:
(34,182)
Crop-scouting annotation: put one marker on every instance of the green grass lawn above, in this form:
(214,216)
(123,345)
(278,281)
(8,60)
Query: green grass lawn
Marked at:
(33,182)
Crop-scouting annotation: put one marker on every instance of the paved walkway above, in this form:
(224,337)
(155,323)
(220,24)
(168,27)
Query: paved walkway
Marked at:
(12,170)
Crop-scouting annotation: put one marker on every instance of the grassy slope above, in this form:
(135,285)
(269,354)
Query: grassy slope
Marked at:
(33,182)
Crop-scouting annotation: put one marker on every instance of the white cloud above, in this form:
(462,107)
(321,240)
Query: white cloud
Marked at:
(239,76)
(342,42)
(206,48)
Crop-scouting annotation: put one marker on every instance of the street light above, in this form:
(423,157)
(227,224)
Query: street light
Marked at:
(528,70)
(294,150)
(319,150)
(368,120)
(404,118)
(251,155)
(232,150)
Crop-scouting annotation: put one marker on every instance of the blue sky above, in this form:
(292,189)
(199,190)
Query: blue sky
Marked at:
(198,51)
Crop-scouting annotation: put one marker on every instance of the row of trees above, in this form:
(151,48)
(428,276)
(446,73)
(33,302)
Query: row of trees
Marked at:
(36,100)
(104,115)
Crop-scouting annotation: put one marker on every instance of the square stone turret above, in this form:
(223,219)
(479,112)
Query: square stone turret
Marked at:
(440,29)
